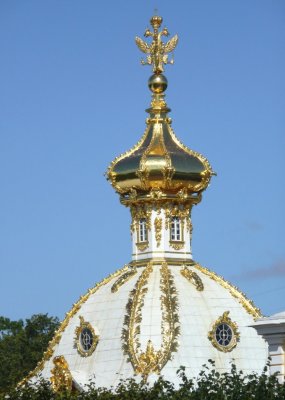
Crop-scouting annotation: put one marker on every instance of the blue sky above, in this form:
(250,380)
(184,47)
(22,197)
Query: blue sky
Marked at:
(73,96)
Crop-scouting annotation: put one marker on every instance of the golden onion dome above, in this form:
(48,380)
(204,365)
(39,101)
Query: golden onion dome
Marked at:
(159,161)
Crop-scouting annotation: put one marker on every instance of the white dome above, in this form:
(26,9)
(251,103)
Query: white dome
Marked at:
(156,303)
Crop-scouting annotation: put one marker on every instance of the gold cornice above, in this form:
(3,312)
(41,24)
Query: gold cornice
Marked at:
(166,252)
(158,196)
(160,260)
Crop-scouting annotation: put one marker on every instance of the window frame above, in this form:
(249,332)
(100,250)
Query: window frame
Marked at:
(142,234)
(176,232)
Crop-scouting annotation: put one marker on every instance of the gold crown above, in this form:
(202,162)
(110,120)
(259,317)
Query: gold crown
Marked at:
(156,21)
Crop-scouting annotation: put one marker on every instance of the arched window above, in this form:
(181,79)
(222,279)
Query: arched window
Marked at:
(142,236)
(175,229)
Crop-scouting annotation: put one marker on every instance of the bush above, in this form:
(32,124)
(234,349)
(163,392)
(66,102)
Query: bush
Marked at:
(209,385)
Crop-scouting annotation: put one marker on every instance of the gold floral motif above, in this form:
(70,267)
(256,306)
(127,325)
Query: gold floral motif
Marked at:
(224,319)
(170,318)
(148,362)
(61,378)
(192,277)
(78,332)
(176,245)
(158,227)
(151,360)
(123,279)
(235,292)
(142,246)
(133,318)
(76,307)
(156,194)
(143,174)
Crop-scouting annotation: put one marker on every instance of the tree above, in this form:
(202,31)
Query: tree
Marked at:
(22,345)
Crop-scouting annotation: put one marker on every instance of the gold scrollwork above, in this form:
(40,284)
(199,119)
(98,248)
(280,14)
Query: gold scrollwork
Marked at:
(123,279)
(176,245)
(61,378)
(178,211)
(158,227)
(137,213)
(192,277)
(151,360)
(224,334)
(142,246)
(93,340)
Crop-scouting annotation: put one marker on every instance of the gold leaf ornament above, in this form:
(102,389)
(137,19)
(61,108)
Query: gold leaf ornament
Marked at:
(158,228)
(151,360)
(61,378)
(192,277)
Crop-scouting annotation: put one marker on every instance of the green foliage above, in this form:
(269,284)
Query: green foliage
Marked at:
(209,385)
(22,345)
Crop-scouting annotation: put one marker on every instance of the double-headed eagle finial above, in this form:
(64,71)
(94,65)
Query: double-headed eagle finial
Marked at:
(157,50)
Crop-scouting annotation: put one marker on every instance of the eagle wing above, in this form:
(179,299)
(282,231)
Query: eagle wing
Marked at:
(143,46)
(171,44)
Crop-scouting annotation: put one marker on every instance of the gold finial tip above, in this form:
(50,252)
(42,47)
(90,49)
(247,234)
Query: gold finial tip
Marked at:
(156,21)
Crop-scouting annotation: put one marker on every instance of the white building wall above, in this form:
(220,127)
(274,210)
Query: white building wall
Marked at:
(273,331)
(162,248)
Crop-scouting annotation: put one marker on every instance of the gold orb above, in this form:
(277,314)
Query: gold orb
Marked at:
(157,83)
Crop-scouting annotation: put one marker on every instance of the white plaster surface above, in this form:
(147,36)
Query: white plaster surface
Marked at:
(197,311)
(272,329)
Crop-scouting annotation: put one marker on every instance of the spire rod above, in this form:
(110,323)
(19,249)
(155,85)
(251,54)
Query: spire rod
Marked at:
(157,50)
